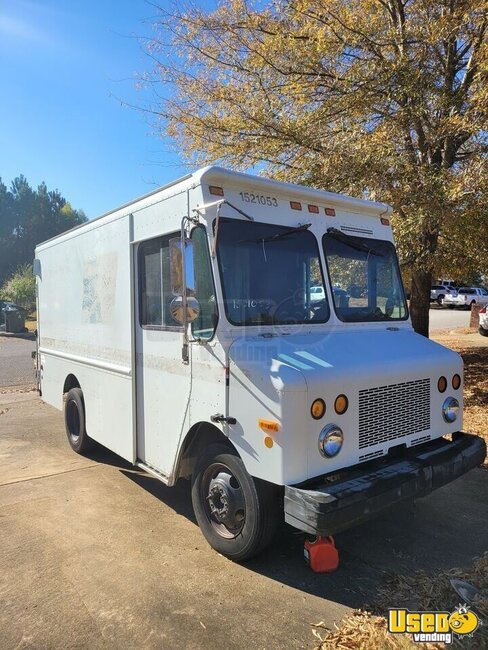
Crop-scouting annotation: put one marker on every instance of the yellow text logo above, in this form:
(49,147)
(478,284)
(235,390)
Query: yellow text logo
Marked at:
(433,626)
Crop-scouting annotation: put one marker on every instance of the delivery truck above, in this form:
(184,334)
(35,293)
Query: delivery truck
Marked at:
(252,336)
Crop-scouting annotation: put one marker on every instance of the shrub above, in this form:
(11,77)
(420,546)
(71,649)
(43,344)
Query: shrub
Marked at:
(21,288)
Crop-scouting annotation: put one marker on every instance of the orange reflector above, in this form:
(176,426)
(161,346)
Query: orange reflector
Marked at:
(216,191)
(330,212)
(269,426)
(313,208)
(341,404)
(442,384)
(295,205)
(456,382)
(317,409)
(385,222)
(268,442)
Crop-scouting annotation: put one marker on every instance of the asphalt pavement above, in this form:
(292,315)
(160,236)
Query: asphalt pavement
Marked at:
(16,365)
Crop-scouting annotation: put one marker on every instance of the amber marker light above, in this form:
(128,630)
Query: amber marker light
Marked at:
(268,442)
(442,384)
(385,222)
(341,403)
(269,426)
(216,191)
(317,409)
(456,382)
(313,208)
(330,212)
(295,205)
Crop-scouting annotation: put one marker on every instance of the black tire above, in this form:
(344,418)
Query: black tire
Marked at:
(440,299)
(482,331)
(250,508)
(451,306)
(74,422)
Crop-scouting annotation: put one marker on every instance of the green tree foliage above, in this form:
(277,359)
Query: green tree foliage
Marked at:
(20,288)
(28,217)
(386,99)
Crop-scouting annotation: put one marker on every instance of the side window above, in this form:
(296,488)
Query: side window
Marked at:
(204,326)
(155,294)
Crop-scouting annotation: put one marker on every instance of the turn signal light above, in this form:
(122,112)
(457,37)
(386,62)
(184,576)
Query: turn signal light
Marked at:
(442,384)
(456,382)
(268,426)
(385,222)
(317,409)
(341,403)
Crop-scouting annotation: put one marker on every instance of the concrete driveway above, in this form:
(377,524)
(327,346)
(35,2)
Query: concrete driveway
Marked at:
(94,554)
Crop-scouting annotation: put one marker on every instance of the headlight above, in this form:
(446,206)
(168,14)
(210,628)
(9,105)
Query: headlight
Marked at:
(450,409)
(330,440)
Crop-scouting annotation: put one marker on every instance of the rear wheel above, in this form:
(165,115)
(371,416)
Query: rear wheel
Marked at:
(482,331)
(74,421)
(237,514)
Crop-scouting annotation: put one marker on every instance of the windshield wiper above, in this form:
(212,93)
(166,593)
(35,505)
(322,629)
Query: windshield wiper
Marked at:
(346,239)
(278,235)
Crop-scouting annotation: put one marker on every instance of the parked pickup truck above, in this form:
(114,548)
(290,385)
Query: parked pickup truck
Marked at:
(466,297)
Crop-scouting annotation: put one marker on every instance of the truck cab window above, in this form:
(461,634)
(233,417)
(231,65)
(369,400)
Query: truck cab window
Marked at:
(365,278)
(155,293)
(268,272)
(204,326)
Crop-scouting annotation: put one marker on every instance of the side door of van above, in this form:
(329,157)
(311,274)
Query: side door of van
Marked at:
(163,381)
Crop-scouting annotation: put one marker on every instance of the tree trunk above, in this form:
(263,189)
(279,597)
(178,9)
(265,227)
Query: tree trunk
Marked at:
(420,301)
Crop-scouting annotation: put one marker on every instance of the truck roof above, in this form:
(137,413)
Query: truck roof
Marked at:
(215,174)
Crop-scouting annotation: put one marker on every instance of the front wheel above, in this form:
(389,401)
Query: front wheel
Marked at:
(237,514)
(440,299)
(482,331)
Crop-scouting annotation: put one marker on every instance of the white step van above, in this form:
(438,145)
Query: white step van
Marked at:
(184,331)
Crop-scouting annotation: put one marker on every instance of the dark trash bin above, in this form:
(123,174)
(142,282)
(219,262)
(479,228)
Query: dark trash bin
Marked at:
(14,321)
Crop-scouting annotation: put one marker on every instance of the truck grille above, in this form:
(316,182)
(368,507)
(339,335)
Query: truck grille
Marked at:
(395,411)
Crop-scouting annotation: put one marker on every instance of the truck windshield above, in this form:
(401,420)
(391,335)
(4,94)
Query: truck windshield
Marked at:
(267,273)
(365,278)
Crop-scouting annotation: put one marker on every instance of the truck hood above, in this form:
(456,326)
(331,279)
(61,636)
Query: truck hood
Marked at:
(345,357)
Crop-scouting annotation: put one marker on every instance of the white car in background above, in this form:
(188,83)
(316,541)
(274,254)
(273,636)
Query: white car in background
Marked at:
(438,292)
(317,293)
(466,297)
(483,328)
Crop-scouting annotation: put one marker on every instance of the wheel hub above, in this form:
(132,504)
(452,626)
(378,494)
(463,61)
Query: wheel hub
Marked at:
(225,500)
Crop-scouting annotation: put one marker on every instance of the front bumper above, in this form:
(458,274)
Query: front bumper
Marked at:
(362,492)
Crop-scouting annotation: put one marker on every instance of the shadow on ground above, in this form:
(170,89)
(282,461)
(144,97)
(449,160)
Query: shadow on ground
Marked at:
(444,530)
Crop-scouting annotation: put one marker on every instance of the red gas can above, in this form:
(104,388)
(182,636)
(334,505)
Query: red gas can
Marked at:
(321,554)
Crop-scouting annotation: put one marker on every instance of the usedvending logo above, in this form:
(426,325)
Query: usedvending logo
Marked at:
(434,626)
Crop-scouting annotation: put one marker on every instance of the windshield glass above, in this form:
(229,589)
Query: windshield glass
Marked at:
(365,278)
(268,272)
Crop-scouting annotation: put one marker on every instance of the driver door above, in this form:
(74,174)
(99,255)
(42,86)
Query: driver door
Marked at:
(163,380)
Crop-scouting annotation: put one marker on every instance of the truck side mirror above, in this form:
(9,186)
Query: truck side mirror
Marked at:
(176,267)
(176,275)
(192,309)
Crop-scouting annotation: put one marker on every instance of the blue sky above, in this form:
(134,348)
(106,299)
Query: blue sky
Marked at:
(66,66)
